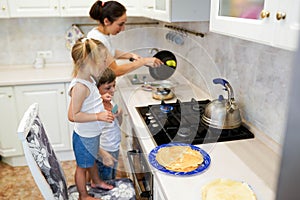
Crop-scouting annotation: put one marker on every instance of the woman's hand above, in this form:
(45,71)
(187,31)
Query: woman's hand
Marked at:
(105,116)
(152,62)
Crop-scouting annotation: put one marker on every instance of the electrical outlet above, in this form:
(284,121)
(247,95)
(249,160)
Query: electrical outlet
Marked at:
(44,54)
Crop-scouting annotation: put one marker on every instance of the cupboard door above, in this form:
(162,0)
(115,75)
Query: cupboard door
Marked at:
(229,23)
(52,110)
(10,145)
(287,21)
(76,8)
(132,7)
(4,9)
(33,8)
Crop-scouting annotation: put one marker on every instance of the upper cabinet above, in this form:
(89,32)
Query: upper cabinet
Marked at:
(274,23)
(176,10)
(48,8)
(132,7)
(4,9)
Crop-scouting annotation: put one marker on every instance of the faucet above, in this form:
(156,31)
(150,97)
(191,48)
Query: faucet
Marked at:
(153,49)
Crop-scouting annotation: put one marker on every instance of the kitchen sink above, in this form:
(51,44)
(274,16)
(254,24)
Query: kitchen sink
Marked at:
(137,79)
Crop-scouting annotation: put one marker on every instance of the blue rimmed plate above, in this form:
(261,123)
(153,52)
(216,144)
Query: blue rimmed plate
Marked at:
(205,164)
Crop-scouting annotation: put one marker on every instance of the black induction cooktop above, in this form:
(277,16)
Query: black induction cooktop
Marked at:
(181,122)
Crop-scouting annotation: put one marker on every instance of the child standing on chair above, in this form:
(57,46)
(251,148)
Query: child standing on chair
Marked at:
(110,138)
(87,111)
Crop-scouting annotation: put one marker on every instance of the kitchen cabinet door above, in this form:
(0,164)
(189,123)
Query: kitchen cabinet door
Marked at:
(178,10)
(258,25)
(76,8)
(4,9)
(132,7)
(34,8)
(10,145)
(287,29)
(52,110)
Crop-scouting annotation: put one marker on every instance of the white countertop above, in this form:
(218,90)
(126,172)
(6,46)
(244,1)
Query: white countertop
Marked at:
(23,75)
(245,160)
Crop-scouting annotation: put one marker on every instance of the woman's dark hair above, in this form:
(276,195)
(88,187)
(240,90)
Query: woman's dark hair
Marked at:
(111,10)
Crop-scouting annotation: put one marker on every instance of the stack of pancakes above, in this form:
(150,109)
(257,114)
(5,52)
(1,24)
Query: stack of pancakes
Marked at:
(179,158)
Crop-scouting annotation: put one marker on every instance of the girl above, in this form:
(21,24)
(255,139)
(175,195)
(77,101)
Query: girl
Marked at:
(112,17)
(86,110)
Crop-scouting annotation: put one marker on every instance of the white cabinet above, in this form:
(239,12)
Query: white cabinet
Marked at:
(10,145)
(176,10)
(132,7)
(33,8)
(126,128)
(52,110)
(4,9)
(268,28)
(76,8)
(48,8)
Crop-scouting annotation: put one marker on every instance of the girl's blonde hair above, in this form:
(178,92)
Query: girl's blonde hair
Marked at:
(86,50)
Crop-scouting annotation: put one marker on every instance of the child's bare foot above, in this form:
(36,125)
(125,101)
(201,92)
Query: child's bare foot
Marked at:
(102,185)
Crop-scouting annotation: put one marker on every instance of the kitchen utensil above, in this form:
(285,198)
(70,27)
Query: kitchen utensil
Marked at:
(166,70)
(114,110)
(163,90)
(222,113)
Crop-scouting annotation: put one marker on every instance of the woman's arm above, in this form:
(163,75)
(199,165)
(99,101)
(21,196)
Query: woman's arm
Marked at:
(128,67)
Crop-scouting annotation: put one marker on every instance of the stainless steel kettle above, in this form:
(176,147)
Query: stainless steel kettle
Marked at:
(222,113)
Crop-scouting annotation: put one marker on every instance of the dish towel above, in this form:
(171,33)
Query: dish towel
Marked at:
(72,35)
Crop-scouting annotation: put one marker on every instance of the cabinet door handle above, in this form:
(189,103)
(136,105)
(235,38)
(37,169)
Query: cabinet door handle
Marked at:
(280,15)
(10,96)
(3,8)
(264,14)
(61,92)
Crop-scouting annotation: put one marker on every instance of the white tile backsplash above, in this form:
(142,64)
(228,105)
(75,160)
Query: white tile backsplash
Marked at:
(259,74)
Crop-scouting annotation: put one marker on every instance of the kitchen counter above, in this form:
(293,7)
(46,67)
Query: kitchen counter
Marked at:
(249,160)
(23,75)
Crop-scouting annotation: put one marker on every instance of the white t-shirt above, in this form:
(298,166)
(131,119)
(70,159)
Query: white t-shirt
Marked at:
(111,136)
(92,104)
(105,39)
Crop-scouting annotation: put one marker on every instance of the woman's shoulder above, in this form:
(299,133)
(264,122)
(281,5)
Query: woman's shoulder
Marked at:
(96,34)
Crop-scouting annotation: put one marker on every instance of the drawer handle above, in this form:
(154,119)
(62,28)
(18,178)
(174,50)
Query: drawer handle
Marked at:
(280,15)
(264,14)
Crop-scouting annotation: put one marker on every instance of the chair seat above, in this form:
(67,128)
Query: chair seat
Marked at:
(123,190)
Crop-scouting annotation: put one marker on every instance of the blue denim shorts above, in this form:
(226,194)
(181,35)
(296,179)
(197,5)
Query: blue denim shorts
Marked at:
(85,150)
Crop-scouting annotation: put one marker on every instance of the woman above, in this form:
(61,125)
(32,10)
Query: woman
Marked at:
(111,16)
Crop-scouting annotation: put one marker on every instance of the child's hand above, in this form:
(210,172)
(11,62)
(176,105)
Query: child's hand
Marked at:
(105,116)
(107,158)
(106,97)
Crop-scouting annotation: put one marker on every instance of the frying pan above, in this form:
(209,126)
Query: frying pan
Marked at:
(166,70)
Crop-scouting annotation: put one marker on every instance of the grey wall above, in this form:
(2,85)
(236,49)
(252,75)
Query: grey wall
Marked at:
(259,74)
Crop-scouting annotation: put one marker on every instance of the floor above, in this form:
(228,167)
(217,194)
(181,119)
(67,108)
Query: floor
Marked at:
(17,183)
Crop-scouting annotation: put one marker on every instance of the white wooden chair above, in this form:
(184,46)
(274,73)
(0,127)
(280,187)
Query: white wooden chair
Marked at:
(46,168)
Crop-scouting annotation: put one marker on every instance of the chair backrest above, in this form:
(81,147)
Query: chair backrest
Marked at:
(41,159)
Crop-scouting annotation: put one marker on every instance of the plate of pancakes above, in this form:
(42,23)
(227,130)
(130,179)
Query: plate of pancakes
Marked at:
(179,159)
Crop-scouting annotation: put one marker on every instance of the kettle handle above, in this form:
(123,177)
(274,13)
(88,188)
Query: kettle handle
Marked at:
(220,81)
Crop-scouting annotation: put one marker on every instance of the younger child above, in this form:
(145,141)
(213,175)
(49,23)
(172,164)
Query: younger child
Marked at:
(86,110)
(110,138)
